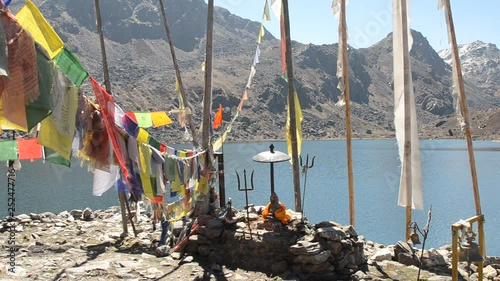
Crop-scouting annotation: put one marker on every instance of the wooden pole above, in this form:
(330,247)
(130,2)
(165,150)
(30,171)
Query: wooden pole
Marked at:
(207,96)
(194,134)
(407,135)
(107,84)
(345,77)
(463,107)
(291,105)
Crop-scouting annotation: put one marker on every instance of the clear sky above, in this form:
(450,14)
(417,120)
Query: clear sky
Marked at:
(369,21)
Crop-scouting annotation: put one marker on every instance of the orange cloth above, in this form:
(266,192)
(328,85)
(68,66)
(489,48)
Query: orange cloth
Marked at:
(279,214)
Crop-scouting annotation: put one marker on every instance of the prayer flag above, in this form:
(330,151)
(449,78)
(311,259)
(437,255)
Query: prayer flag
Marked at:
(256,57)
(160,118)
(58,130)
(250,77)
(266,15)
(69,65)
(262,32)
(145,162)
(29,149)
(410,188)
(218,117)
(342,51)
(243,99)
(107,107)
(283,42)
(8,150)
(298,126)
(143,136)
(104,180)
(33,21)
(130,126)
(54,157)
(143,119)
(41,108)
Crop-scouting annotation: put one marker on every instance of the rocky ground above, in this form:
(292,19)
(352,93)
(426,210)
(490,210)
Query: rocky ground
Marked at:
(86,245)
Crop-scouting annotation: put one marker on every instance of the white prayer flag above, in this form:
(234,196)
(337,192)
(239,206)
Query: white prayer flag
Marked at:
(410,190)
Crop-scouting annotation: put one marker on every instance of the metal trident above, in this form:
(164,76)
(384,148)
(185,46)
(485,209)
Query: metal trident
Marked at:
(305,168)
(246,189)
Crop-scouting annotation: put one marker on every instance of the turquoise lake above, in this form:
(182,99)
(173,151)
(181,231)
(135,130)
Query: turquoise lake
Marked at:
(446,182)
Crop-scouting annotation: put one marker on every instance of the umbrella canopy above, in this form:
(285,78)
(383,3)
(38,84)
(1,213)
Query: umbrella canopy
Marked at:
(271,156)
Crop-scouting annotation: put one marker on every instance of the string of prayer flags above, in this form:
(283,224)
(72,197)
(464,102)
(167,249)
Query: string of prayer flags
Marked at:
(33,21)
(29,149)
(70,65)
(218,117)
(8,150)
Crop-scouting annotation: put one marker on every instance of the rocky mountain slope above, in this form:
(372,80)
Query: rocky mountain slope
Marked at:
(142,74)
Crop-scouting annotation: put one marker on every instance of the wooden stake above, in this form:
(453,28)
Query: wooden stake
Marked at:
(407,136)
(194,134)
(207,96)
(291,105)
(345,76)
(107,84)
(463,107)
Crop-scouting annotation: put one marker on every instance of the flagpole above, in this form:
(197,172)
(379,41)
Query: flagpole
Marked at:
(178,74)
(207,97)
(107,84)
(345,77)
(291,108)
(463,107)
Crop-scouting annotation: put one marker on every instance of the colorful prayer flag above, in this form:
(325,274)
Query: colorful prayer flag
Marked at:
(8,150)
(54,157)
(298,126)
(33,21)
(160,118)
(58,130)
(29,149)
(69,65)
(107,107)
(266,15)
(143,136)
(143,119)
(218,117)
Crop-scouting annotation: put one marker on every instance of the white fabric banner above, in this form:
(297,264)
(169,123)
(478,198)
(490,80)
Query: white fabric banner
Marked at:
(104,180)
(410,189)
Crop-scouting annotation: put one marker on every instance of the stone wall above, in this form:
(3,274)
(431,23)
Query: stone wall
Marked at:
(327,249)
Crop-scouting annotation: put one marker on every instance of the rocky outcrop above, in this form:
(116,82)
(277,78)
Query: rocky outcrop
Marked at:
(89,245)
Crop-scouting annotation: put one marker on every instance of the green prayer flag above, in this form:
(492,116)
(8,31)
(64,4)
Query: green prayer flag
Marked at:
(143,119)
(54,157)
(154,143)
(40,108)
(69,65)
(8,150)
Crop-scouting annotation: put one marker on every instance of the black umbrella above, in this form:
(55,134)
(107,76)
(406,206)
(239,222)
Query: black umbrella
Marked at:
(272,157)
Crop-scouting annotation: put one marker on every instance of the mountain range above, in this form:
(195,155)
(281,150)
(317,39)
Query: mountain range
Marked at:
(142,74)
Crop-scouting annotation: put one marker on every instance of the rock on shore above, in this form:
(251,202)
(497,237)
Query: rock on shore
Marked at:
(88,245)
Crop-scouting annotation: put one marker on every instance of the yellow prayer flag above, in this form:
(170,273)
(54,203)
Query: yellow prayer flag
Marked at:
(261,33)
(33,21)
(202,185)
(145,162)
(266,15)
(160,118)
(298,126)
(143,136)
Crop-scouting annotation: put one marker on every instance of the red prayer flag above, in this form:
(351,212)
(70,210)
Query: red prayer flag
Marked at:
(283,42)
(218,117)
(29,149)
(107,107)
